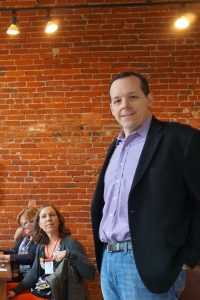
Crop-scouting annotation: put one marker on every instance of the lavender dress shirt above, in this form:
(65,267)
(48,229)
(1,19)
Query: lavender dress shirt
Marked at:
(118,180)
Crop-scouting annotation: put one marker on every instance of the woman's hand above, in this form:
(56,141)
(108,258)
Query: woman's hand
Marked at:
(5,257)
(18,234)
(59,255)
(10,294)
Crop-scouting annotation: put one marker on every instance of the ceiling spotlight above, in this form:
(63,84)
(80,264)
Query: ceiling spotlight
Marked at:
(184,21)
(12,29)
(51,26)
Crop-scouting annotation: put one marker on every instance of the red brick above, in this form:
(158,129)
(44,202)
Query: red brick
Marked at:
(55,119)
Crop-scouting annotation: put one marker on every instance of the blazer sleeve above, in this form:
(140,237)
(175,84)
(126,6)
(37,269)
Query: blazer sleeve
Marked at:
(78,259)
(192,180)
(31,277)
(25,259)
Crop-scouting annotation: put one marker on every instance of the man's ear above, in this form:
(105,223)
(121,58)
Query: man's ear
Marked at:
(111,109)
(150,99)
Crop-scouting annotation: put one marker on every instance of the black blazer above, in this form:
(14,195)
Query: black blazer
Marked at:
(163,204)
(22,259)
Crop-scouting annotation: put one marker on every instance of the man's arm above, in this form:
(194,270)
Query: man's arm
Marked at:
(192,180)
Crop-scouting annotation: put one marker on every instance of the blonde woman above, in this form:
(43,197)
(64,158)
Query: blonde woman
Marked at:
(23,254)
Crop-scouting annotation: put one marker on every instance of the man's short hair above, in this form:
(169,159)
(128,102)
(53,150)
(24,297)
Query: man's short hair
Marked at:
(143,80)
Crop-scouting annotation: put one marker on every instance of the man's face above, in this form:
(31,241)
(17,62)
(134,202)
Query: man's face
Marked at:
(129,105)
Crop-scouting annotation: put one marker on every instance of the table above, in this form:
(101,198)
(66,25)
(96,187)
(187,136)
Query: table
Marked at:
(5,275)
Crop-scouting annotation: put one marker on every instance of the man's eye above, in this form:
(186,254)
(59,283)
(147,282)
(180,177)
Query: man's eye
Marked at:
(133,97)
(118,101)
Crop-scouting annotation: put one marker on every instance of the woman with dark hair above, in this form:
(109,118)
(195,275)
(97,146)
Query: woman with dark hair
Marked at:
(40,235)
(60,262)
(22,255)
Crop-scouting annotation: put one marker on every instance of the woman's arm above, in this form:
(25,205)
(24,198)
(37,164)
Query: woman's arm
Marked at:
(18,234)
(31,276)
(20,259)
(25,259)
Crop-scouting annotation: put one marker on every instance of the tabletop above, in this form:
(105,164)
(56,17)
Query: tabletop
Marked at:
(5,271)
(5,275)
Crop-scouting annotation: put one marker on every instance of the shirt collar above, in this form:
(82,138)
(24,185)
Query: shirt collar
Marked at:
(142,130)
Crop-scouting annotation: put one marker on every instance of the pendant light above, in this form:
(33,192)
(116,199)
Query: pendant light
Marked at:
(52,25)
(13,29)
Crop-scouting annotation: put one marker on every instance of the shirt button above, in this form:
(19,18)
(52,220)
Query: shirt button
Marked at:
(110,215)
(117,180)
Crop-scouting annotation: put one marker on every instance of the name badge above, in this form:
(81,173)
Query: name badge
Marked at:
(48,266)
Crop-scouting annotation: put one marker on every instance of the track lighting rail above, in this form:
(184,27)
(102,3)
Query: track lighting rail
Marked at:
(105,5)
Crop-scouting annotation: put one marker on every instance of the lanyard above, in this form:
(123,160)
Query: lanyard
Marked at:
(46,249)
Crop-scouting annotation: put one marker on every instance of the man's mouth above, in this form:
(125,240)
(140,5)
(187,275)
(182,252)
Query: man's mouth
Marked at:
(127,115)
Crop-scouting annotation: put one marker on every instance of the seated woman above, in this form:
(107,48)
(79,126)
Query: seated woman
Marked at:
(23,254)
(58,253)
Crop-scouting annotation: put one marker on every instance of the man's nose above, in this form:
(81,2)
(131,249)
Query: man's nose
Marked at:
(125,103)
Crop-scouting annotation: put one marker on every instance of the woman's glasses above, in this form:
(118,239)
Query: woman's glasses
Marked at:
(26,224)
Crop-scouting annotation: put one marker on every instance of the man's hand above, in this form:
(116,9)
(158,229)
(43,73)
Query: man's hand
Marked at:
(186,267)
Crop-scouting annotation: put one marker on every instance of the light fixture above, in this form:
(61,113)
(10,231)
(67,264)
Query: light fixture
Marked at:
(184,21)
(13,29)
(51,26)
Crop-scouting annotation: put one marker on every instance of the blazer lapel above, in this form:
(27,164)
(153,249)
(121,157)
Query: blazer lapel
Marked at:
(153,139)
(108,156)
(100,184)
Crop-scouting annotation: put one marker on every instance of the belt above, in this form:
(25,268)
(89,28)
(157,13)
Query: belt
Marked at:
(118,247)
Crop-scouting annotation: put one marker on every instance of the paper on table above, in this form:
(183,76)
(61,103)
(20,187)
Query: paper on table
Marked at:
(3,269)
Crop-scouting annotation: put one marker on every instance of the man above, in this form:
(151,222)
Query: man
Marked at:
(146,207)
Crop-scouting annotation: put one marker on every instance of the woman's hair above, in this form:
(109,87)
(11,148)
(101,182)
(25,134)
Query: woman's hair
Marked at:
(28,213)
(40,235)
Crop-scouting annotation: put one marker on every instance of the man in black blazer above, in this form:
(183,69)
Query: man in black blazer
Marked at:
(146,206)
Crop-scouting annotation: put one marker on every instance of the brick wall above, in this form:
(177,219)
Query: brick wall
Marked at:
(55,123)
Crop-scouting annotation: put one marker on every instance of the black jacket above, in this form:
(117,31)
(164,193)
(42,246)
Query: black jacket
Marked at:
(163,204)
(22,259)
